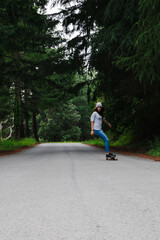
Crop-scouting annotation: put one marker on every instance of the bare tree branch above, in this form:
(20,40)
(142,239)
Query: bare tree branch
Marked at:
(10,134)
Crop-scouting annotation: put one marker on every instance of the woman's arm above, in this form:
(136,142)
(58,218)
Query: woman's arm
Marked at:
(92,132)
(107,123)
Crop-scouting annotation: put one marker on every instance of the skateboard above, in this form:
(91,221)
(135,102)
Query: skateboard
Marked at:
(112,158)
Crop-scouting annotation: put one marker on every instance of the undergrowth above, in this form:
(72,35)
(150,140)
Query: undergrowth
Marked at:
(154,147)
(13,144)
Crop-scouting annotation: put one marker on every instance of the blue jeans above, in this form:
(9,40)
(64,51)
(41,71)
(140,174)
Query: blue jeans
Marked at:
(103,136)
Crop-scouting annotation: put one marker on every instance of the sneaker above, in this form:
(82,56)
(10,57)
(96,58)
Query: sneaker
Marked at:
(113,154)
(109,155)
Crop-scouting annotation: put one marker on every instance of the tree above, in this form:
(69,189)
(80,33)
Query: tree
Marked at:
(26,35)
(122,37)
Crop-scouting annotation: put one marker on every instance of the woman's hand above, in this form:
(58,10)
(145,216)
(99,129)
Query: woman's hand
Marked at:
(109,125)
(92,133)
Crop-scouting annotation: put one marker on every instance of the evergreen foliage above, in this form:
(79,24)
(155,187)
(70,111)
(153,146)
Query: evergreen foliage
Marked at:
(123,42)
(36,70)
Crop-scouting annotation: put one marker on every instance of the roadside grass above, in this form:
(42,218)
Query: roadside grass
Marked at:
(13,144)
(154,147)
(97,142)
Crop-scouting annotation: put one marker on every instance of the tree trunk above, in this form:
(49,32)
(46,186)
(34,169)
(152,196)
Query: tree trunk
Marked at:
(27,131)
(22,134)
(35,126)
(26,113)
(88,92)
(17,112)
(1,131)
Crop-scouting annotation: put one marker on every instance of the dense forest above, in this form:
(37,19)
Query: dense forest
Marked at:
(49,84)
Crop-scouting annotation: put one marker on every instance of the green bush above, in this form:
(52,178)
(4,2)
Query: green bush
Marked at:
(124,139)
(12,144)
(154,147)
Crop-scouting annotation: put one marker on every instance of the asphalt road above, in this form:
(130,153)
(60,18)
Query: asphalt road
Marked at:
(70,192)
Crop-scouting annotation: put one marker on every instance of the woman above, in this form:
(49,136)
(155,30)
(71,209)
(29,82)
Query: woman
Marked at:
(96,127)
